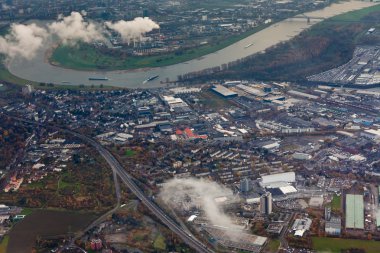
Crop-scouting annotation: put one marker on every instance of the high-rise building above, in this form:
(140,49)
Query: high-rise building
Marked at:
(266,203)
(327,213)
(245,185)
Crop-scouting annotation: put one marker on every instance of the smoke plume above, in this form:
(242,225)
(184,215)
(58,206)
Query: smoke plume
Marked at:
(22,40)
(198,193)
(73,28)
(25,40)
(134,29)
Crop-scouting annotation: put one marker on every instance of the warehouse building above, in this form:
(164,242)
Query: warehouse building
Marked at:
(288,177)
(223,91)
(354,211)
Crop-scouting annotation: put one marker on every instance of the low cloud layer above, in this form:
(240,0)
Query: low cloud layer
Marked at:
(198,193)
(73,28)
(133,29)
(25,40)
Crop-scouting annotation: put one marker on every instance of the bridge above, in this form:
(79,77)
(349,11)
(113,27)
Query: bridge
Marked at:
(308,18)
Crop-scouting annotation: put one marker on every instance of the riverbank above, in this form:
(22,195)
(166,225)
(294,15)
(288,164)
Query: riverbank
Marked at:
(39,70)
(324,46)
(10,79)
(86,57)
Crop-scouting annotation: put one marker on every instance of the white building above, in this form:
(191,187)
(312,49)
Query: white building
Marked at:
(301,156)
(371,134)
(288,177)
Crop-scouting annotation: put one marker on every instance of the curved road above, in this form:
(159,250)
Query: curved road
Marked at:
(188,238)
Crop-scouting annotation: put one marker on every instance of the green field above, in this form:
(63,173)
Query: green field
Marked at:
(336,203)
(159,243)
(86,57)
(130,153)
(4,244)
(335,245)
(27,211)
(273,245)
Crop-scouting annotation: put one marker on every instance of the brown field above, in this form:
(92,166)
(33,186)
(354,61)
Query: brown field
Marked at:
(45,223)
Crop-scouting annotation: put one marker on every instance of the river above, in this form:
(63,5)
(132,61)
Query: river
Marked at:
(39,70)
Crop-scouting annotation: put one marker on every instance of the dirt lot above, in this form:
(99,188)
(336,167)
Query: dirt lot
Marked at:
(45,223)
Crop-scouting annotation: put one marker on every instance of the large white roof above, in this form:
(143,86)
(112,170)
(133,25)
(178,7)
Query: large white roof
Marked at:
(289,177)
(288,189)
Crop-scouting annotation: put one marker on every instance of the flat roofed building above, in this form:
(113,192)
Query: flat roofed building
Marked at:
(289,177)
(251,91)
(223,91)
(354,211)
(333,226)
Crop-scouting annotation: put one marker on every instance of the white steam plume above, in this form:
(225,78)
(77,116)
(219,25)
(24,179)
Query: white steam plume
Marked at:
(73,28)
(134,29)
(198,192)
(23,40)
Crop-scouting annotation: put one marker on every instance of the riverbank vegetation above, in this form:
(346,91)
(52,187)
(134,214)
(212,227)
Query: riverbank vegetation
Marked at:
(87,57)
(324,46)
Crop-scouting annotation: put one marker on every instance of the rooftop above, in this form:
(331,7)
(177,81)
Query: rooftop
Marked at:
(354,211)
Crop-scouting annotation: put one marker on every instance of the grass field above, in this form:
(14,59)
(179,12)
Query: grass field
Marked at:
(159,243)
(27,211)
(86,57)
(4,244)
(130,153)
(336,203)
(335,245)
(273,245)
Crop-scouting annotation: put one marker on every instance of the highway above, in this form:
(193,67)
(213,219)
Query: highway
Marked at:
(128,180)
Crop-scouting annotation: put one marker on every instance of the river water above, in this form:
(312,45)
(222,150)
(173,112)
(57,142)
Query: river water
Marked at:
(39,70)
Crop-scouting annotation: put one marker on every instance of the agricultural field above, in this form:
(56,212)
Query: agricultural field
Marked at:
(335,245)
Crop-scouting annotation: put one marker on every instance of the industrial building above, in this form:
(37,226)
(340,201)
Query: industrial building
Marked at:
(333,226)
(236,239)
(288,177)
(223,91)
(354,211)
(279,184)
(300,226)
(251,91)
(301,156)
